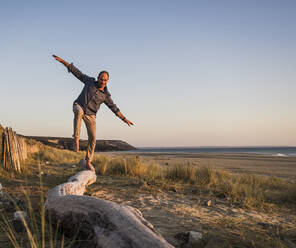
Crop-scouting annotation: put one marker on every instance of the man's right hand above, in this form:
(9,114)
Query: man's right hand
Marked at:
(65,63)
(57,58)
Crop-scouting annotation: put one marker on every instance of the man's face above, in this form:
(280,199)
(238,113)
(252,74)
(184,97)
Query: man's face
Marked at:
(103,80)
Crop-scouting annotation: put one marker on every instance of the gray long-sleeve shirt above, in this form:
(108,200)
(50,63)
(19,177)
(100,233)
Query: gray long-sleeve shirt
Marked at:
(91,98)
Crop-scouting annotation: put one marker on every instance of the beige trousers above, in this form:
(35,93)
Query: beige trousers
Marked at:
(90,123)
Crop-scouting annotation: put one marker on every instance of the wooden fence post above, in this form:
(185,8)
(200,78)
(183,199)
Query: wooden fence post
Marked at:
(14,150)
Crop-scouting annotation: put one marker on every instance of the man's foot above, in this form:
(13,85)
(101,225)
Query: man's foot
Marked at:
(90,166)
(76,145)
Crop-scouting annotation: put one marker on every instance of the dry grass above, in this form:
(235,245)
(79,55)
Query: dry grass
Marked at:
(243,232)
(38,230)
(127,166)
(53,155)
(31,188)
(246,190)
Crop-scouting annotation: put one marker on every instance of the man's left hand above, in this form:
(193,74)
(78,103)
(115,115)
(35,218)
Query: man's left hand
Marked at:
(129,123)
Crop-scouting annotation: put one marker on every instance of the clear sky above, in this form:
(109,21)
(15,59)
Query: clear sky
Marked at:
(187,73)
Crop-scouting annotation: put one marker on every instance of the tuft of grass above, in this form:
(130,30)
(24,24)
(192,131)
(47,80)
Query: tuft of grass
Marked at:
(190,174)
(126,166)
(54,155)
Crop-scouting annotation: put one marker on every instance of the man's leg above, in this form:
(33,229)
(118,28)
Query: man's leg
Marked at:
(78,114)
(90,123)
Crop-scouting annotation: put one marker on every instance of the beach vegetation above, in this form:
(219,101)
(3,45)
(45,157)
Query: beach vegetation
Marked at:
(34,228)
(26,192)
(47,154)
(246,190)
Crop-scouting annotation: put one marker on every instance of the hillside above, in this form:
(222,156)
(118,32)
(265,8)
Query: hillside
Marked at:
(66,143)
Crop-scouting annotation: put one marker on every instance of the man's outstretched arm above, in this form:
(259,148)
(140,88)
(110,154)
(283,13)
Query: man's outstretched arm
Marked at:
(116,110)
(65,63)
(75,71)
(121,116)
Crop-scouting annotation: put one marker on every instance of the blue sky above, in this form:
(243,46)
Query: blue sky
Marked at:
(187,73)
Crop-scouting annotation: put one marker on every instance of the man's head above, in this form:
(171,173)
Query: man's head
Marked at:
(103,79)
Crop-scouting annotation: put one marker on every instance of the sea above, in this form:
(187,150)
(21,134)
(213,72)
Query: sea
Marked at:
(282,151)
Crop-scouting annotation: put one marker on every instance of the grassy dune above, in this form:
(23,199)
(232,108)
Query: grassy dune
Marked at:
(248,191)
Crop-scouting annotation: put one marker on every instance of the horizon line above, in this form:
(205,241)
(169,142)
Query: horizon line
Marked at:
(239,146)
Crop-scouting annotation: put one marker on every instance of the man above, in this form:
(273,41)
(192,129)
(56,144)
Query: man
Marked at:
(86,106)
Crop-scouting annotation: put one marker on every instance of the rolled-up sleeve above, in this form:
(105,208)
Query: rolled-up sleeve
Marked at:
(111,105)
(78,74)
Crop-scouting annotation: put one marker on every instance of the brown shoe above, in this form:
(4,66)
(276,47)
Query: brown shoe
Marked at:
(76,145)
(90,166)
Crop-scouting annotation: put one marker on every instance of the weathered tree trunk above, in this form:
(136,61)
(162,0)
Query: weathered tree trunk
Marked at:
(99,223)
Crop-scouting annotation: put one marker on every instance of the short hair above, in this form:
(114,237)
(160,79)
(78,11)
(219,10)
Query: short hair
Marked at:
(101,72)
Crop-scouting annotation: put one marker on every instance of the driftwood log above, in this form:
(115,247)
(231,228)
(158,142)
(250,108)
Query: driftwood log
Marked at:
(97,222)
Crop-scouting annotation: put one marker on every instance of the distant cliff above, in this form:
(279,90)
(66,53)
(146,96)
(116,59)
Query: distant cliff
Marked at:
(101,146)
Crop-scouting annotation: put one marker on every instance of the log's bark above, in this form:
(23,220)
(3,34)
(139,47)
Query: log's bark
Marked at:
(75,186)
(97,222)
